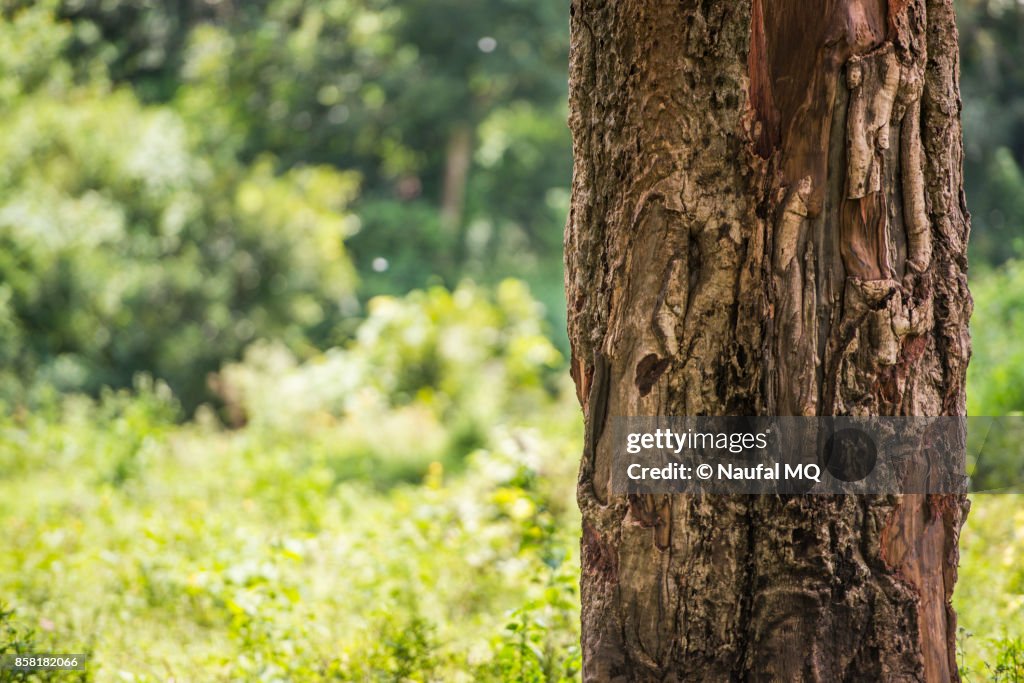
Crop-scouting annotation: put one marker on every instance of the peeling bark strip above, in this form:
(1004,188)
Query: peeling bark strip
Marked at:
(767,218)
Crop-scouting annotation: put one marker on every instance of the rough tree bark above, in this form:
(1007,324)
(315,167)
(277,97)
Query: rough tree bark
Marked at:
(767,219)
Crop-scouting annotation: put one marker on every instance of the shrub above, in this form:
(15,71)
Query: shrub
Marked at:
(128,246)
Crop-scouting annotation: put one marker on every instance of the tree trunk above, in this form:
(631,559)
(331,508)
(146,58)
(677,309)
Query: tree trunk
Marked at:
(767,219)
(458,157)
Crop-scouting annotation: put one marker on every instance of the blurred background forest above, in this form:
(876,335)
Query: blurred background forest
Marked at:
(282,362)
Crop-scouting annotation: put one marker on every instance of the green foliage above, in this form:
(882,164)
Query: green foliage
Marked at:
(995,386)
(126,248)
(996,372)
(178,182)
(435,369)
(335,536)
(990,590)
(382,88)
(1009,663)
(992,59)
(537,645)
(18,639)
(15,639)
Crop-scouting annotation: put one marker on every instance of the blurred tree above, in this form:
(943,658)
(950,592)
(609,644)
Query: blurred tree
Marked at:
(125,247)
(992,58)
(452,112)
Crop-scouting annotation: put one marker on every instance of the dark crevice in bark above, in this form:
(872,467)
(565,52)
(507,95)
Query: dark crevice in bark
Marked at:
(649,370)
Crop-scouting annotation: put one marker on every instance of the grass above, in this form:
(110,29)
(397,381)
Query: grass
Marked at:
(338,548)
(195,554)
